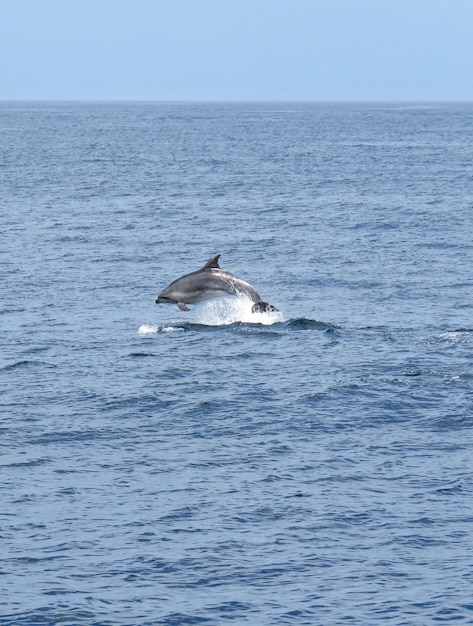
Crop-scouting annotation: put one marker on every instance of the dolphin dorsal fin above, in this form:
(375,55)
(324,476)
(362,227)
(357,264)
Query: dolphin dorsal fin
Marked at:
(212,263)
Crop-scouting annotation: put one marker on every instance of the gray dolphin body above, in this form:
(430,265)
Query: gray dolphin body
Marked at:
(211,281)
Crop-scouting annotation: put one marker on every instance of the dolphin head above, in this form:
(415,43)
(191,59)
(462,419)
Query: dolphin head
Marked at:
(177,293)
(165,296)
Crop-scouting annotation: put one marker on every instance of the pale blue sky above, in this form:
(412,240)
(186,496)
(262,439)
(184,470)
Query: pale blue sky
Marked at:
(316,50)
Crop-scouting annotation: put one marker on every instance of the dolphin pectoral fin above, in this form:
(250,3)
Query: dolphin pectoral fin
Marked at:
(183,306)
(263,307)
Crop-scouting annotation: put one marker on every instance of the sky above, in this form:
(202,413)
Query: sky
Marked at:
(236,50)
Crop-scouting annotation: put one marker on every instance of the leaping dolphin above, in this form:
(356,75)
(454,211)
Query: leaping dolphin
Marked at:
(211,281)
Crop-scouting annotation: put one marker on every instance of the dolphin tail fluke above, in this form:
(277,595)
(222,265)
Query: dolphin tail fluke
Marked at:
(263,307)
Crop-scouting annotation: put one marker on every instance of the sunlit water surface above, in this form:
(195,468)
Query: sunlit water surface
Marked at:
(312,466)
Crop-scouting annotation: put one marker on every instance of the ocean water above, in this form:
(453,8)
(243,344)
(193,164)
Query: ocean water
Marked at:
(312,467)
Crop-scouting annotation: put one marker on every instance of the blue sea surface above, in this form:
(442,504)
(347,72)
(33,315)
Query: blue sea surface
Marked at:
(161,467)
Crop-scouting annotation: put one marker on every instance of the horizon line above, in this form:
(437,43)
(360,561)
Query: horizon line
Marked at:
(229,101)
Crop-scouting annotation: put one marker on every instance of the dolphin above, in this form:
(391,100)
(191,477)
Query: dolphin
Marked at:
(211,281)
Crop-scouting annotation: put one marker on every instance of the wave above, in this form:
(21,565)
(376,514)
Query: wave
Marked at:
(235,314)
(295,324)
(25,363)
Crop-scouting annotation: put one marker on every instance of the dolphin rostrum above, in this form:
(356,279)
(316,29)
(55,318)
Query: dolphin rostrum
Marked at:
(211,281)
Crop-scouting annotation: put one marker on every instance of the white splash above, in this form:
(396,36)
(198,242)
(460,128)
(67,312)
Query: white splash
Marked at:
(148,329)
(153,329)
(224,311)
(218,312)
